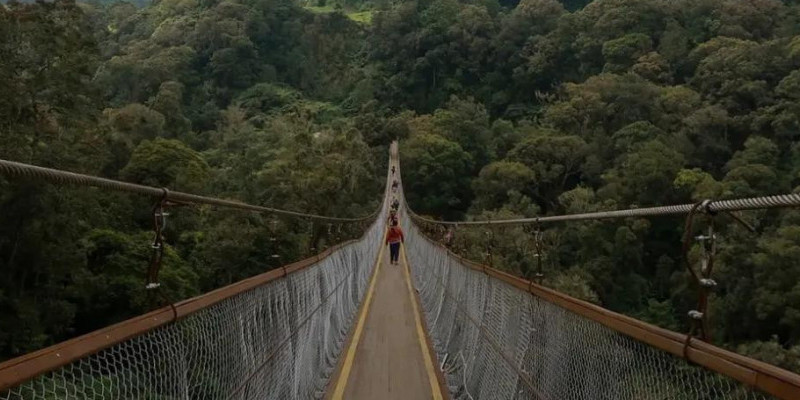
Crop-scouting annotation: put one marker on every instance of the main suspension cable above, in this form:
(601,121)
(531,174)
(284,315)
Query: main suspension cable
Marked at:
(14,169)
(751,203)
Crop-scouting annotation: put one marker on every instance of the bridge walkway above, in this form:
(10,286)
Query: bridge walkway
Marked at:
(388,356)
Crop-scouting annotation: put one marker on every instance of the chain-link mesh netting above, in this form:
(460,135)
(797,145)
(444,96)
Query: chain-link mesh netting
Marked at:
(277,341)
(496,341)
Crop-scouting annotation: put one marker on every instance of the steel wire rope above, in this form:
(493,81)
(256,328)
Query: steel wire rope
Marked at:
(743,204)
(15,169)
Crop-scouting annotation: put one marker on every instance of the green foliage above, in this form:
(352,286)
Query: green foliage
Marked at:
(437,179)
(264,97)
(497,179)
(621,103)
(660,313)
(772,352)
(363,17)
(135,122)
(47,59)
(166,163)
(555,159)
(620,54)
(110,287)
(466,123)
(644,175)
(777,293)
(244,100)
(574,283)
(503,110)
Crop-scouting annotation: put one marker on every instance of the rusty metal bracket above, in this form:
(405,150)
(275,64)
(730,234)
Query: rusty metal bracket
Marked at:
(702,279)
(538,247)
(159,224)
(489,247)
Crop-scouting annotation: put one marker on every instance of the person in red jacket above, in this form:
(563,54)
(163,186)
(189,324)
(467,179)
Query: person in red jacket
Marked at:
(393,238)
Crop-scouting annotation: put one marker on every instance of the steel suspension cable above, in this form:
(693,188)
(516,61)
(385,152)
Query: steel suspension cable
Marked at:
(751,203)
(14,169)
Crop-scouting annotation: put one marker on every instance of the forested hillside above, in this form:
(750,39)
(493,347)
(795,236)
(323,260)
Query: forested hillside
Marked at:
(247,100)
(537,111)
(503,110)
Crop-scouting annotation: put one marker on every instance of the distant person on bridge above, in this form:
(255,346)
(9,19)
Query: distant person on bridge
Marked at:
(448,237)
(395,185)
(392,169)
(395,204)
(393,238)
(392,217)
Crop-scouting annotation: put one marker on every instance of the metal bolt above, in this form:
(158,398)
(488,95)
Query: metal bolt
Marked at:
(708,283)
(705,237)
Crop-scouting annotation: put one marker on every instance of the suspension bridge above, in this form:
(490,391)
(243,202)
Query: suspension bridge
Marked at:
(347,324)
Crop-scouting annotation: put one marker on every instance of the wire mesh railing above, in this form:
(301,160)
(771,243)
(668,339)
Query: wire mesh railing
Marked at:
(500,337)
(277,340)
(273,336)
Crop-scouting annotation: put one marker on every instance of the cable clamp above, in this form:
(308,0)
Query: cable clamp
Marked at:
(159,224)
(705,205)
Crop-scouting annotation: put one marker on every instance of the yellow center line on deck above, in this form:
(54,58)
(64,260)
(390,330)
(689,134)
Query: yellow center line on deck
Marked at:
(434,382)
(347,366)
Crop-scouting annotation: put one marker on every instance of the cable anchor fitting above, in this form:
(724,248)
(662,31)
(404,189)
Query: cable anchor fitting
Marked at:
(702,278)
(538,236)
(159,224)
(489,247)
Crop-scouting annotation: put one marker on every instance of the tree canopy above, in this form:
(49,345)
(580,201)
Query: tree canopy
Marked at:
(503,108)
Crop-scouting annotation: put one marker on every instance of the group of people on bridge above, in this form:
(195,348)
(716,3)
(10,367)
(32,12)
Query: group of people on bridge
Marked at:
(394,236)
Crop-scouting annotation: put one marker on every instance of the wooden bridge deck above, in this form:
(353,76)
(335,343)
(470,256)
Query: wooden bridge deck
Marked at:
(388,356)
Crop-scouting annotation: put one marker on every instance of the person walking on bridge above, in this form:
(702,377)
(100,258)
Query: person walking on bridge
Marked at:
(392,169)
(394,238)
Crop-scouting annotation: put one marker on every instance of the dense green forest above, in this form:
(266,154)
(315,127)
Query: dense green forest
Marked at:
(503,110)
(537,110)
(245,100)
